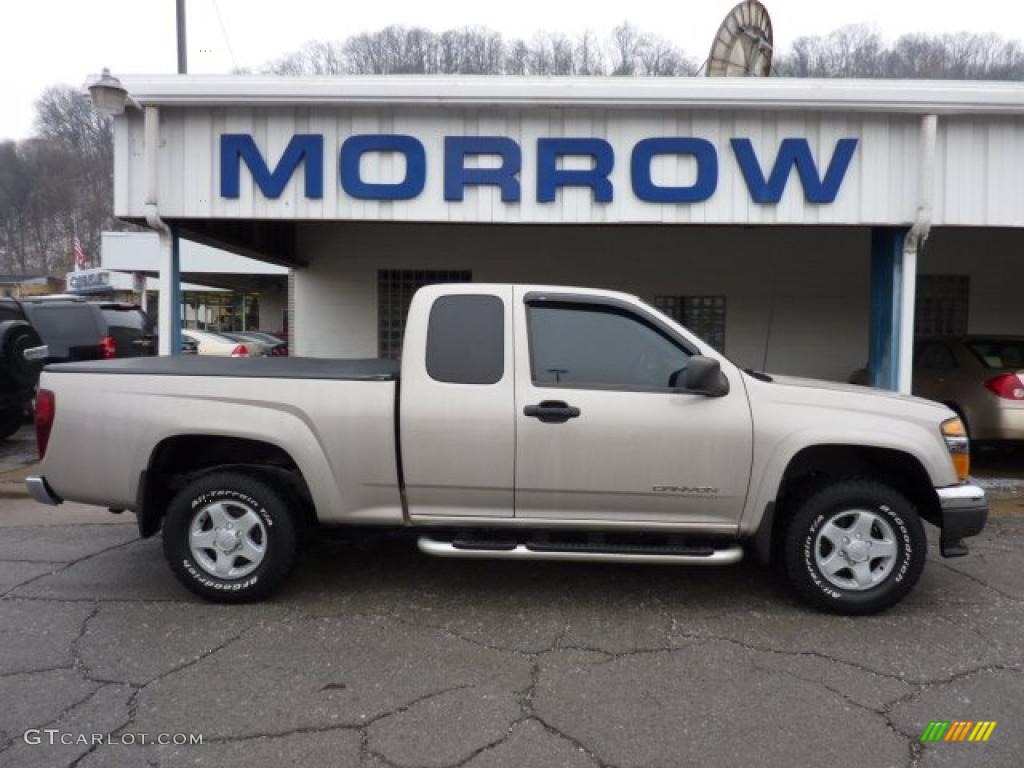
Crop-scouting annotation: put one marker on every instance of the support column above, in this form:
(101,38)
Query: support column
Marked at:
(169,316)
(893,283)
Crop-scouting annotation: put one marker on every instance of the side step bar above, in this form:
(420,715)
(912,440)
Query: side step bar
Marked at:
(547,551)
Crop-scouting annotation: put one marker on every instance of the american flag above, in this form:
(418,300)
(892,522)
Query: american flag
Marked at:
(80,259)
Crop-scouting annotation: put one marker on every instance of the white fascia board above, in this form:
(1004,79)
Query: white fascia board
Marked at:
(140,251)
(776,93)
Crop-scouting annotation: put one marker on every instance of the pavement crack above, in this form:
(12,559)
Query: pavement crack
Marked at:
(883,712)
(554,731)
(76,654)
(66,566)
(39,671)
(980,581)
(359,726)
(59,716)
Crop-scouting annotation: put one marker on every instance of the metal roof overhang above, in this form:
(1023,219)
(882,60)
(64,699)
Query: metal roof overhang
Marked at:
(943,97)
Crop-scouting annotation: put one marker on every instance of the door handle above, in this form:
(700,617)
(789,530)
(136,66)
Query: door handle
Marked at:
(552,411)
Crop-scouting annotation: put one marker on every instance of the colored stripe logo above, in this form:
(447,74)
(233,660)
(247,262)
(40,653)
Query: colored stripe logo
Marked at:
(958,730)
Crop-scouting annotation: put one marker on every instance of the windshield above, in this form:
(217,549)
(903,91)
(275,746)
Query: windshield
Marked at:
(999,353)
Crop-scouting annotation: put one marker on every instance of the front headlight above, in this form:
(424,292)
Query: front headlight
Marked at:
(955,435)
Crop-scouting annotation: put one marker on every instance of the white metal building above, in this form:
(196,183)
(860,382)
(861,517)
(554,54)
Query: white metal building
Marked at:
(782,219)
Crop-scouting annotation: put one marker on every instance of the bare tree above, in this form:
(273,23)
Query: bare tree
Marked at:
(517,58)
(56,185)
(313,58)
(962,56)
(627,41)
(859,51)
(589,57)
(472,51)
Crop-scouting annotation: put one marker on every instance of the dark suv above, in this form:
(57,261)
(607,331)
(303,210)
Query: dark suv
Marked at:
(18,375)
(75,329)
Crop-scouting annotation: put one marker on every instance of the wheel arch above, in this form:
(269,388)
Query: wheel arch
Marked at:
(830,462)
(178,459)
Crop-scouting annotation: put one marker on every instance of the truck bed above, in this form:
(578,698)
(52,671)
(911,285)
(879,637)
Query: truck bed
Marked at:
(241,367)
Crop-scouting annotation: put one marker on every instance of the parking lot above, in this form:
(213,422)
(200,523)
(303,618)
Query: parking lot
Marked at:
(374,655)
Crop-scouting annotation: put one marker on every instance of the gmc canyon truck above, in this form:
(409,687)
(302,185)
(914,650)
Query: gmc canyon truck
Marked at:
(524,422)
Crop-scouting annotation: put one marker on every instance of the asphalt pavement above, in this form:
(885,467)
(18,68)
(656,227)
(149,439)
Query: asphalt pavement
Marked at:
(375,655)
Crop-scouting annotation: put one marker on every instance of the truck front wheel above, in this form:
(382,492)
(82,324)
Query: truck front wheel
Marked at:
(229,537)
(854,547)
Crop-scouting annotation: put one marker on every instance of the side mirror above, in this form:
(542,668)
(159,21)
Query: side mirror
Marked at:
(704,377)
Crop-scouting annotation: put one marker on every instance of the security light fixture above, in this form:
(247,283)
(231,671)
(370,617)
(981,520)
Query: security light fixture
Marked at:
(109,96)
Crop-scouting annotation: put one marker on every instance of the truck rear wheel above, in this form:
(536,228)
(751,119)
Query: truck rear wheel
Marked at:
(854,547)
(229,537)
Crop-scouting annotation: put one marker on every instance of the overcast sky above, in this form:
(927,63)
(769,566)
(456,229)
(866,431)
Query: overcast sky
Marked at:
(45,42)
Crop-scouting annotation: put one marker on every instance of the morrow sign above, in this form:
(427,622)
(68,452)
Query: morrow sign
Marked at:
(766,182)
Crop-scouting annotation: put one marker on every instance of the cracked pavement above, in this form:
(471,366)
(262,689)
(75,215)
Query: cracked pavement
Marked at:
(374,655)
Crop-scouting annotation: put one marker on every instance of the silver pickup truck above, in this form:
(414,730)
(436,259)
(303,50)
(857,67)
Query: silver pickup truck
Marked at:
(524,422)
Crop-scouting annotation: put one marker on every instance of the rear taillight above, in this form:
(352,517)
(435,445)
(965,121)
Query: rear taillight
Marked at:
(240,351)
(1009,386)
(46,409)
(277,352)
(108,348)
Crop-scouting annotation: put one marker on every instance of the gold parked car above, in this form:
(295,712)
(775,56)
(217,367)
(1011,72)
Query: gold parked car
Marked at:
(979,377)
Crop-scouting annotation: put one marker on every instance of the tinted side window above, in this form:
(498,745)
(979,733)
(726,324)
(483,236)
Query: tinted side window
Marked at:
(599,346)
(71,331)
(466,340)
(72,323)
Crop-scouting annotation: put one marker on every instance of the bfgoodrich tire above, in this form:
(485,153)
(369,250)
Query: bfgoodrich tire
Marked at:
(854,547)
(229,537)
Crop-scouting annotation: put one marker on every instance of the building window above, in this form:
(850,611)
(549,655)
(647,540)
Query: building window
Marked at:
(703,315)
(942,305)
(395,288)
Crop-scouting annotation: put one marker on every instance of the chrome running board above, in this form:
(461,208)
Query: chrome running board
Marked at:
(437,548)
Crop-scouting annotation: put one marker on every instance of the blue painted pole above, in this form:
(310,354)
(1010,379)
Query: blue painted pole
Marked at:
(886,306)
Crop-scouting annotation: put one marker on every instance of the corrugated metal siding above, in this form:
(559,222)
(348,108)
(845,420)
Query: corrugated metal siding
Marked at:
(980,162)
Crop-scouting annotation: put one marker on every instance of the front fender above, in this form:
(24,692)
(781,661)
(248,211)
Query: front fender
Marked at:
(771,461)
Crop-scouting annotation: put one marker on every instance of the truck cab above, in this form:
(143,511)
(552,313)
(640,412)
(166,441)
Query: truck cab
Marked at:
(568,405)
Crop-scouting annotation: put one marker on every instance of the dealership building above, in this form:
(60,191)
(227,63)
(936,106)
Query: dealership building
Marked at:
(802,226)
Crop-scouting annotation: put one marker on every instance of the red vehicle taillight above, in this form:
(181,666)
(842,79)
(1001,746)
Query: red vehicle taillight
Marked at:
(108,348)
(1009,386)
(46,409)
(278,351)
(240,351)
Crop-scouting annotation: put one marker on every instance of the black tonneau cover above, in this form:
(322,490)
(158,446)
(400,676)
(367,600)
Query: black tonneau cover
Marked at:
(240,367)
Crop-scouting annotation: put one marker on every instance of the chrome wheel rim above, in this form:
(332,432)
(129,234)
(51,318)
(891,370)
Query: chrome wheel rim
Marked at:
(228,539)
(855,550)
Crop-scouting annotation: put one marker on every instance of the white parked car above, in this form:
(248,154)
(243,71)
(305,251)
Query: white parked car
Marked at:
(219,345)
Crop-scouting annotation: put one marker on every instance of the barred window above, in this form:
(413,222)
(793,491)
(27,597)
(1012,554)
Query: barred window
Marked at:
(942,305)
(703,315)
(395,288)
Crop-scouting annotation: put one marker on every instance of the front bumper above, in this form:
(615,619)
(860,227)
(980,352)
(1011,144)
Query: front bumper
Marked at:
(963,512)
(40,491)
